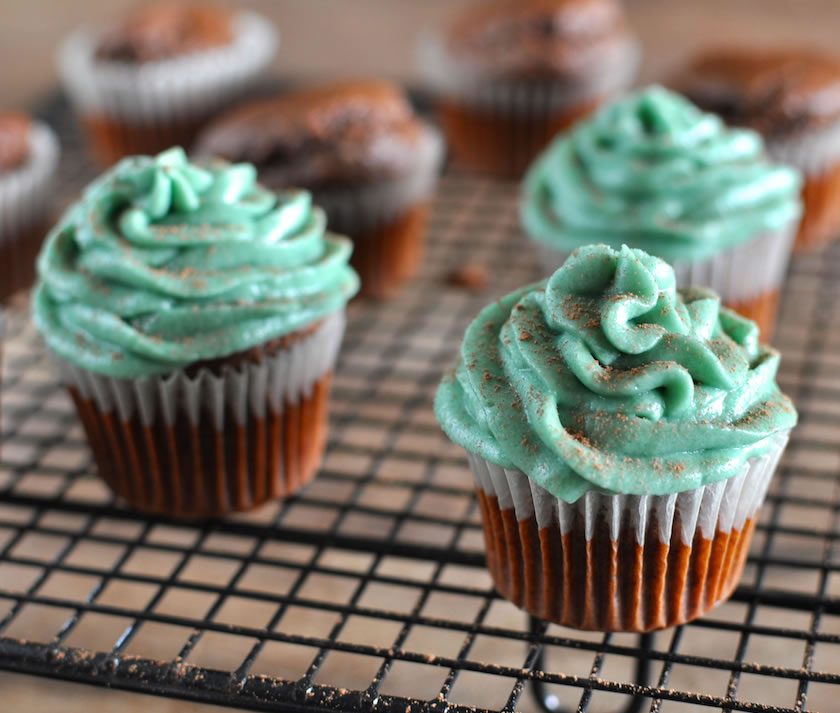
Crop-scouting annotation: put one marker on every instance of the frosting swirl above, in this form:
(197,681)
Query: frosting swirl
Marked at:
(164,263)
(655,172)
(605,376)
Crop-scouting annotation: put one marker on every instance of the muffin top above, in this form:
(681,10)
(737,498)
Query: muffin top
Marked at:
(653,171)
(15,134)
(775,91)
(163,30)
(164,263)
(332,135)
(538,39)
(606,377)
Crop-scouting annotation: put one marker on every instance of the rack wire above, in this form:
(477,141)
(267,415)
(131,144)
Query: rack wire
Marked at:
(367,592)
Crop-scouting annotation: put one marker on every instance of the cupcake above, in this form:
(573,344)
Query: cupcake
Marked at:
(370,162)
(622,435)
(28,161)
(792,98)
(152,80)
(195,318)
(508,75)
(656,173)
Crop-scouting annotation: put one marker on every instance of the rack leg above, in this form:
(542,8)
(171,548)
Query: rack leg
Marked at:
(548,702)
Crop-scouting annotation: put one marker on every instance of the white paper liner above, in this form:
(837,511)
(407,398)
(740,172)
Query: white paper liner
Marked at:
(812,152)
(283,377)
(743,272)
(358,209)
(166,90)
(723,506)
(25,191)
(448,77)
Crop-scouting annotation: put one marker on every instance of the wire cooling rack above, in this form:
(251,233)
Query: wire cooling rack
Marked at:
(367,592)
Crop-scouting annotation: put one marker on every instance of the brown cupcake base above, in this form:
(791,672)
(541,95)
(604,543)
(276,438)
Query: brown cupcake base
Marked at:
(604,584)
(762,310)
(111,139)
(502,144)
(191,470)
(18,254)
(821,215)
(388,255)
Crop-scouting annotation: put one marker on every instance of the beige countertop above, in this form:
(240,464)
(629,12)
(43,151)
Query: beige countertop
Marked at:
(329,38)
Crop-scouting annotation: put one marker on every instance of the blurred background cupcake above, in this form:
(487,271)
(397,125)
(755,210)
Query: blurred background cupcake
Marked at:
(358,146)
(507,75)
(792,97)
(195,318)
(29,155)
(151,80)
(655,172)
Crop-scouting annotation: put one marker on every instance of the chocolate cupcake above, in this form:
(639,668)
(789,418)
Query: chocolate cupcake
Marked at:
(370,162)
(28,161)
(509,75)
(792,98)
(195,318)
(622,435)
(152,80)
(653,171)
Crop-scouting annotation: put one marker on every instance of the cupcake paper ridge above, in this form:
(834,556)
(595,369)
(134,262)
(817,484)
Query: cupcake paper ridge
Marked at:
(654,171)
(606,377)
(163,263)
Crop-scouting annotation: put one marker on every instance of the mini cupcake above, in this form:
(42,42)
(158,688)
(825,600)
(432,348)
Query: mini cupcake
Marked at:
(152,80)
(195,318)
(622,435)
(792,98)
(28,161)
(370,162)
(509,75)
(656,173)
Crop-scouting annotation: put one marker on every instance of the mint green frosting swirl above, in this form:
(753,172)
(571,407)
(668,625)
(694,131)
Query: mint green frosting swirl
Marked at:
(163,263)
(606,377)
(655,172)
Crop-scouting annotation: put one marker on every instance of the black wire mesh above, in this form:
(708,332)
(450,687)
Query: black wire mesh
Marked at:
(368,591)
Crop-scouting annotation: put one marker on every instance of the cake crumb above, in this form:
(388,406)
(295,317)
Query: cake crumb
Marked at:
(469,277)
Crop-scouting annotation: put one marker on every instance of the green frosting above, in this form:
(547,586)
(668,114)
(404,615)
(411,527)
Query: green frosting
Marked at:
(655,172)
(164,263)
(606,376)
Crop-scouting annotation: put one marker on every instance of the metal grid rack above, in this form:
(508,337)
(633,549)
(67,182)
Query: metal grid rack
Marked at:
(367,592)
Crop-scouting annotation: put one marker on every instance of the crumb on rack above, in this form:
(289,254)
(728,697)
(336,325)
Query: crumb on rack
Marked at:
(469,277)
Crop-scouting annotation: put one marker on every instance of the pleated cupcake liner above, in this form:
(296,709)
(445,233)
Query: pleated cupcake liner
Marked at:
(390,254)
(498,127)
(813,152)
(204,444)
(612,562)
(387,220)
(750,273)
(24,210)
(446,76)
(817,154)
(111,139)
(503,145)
(359,208)
(821,218)
(131,108)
